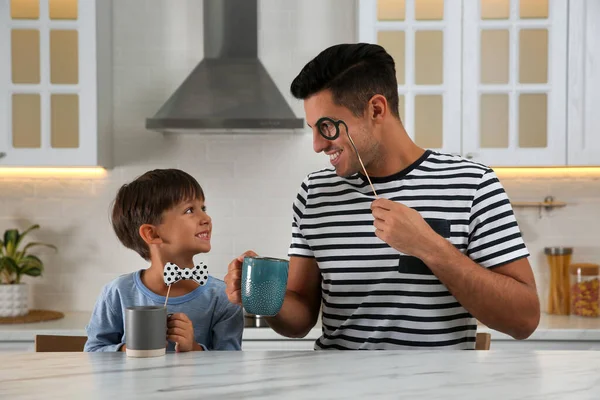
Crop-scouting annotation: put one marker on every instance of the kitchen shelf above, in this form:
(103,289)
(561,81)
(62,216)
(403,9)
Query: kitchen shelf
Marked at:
(548,204)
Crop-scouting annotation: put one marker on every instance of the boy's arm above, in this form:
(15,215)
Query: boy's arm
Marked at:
(228,328)
(105,330)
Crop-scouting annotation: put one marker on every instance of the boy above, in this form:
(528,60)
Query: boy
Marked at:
(161,216)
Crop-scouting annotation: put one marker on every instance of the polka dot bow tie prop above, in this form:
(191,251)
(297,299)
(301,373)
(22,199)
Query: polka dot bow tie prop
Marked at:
(174,274)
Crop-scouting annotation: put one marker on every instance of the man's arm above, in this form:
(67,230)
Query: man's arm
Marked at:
(302,303)
(503,298)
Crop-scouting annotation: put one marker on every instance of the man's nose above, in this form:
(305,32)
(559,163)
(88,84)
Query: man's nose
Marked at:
(319,142)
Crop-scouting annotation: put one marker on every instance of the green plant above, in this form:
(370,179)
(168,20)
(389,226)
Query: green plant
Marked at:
(15,262)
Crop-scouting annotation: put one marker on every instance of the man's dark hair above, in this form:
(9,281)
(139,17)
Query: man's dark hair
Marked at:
(144,201)
(354,73)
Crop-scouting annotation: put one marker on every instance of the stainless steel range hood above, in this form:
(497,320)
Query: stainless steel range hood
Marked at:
(230,88)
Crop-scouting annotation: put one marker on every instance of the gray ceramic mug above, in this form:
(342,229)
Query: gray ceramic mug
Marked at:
(145,331)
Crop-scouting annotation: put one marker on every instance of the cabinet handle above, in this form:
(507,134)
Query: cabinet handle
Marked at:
(2,154)
(470,156)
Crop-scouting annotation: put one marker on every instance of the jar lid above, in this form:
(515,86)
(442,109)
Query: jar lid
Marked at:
(585,269)
(558,251)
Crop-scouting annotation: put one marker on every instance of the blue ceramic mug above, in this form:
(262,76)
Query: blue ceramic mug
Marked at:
(264,282)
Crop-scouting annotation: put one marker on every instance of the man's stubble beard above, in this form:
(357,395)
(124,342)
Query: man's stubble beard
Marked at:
(370,156)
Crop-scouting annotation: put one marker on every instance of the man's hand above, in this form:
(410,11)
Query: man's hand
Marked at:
(403,228)
(181,331)
(233,279)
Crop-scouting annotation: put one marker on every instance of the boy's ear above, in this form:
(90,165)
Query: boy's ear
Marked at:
(149,234)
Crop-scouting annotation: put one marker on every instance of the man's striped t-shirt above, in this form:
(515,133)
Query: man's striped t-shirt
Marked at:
(377,298)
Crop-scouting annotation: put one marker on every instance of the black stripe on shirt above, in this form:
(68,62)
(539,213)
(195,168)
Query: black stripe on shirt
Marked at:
(392,305)
(402,329)
(392,317)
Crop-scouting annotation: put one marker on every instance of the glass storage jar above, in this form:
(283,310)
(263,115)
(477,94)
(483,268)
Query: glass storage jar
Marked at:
(585,289)
(559,259)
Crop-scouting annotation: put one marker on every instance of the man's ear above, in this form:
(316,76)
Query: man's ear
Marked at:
(149,234)
(378,107)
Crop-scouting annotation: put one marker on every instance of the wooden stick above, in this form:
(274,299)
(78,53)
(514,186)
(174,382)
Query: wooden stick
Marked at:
(167,298)
(362,165)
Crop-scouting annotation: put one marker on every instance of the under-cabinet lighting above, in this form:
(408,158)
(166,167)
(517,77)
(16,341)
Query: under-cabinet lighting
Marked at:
(53,172)
(547,172)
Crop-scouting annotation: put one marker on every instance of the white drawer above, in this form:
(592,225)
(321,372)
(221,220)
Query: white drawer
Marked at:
(16,347)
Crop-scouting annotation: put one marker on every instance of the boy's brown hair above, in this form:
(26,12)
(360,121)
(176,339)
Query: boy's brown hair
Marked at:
(144,201)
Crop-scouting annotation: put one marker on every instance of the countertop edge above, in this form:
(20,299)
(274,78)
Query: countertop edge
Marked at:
(543,334)
(267,334)
(550,329)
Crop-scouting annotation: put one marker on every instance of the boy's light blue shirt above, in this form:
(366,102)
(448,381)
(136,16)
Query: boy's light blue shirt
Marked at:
(218,324)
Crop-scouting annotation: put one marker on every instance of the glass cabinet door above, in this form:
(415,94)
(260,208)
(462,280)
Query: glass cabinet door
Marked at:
(42,80)
(424,38)
(514,80)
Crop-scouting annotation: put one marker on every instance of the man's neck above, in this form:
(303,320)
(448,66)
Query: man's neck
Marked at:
(396,152)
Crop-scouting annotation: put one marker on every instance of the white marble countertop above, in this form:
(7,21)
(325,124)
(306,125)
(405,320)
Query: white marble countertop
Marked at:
(551,327)
(275,375)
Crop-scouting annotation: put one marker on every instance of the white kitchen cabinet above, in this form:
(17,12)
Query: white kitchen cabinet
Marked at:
(505,73)
(514,83)
(584,83)
(55,82)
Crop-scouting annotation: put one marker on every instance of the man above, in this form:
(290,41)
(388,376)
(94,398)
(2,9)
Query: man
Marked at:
(412,261)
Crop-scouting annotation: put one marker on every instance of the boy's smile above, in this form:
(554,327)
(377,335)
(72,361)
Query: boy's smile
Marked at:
(203,235)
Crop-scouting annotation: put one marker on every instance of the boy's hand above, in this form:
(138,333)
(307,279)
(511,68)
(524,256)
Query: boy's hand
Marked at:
(233,279)
(181,331)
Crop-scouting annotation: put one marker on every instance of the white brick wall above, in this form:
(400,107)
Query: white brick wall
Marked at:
(576,225)
(250,180)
